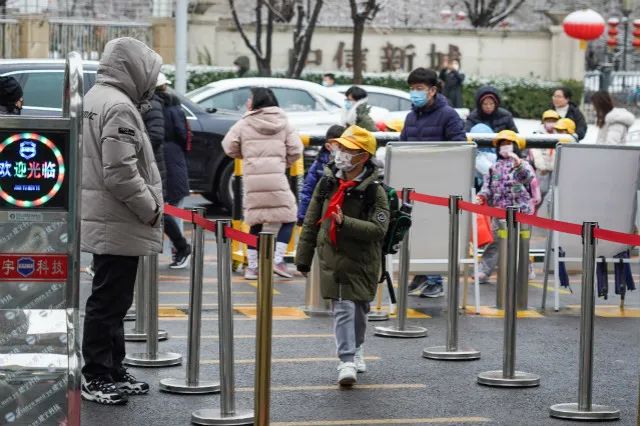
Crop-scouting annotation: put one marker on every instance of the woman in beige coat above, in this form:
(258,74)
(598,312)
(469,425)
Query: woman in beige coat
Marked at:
(267,144)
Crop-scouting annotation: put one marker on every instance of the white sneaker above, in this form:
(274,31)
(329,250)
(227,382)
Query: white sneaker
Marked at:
(358,360)
(347,374)
(251,273)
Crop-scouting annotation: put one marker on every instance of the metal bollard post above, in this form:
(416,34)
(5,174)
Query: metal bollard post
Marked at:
(264,329)
(227,414)
(314,304)
(501,287)
(152,358)
(523,267)
(192,384)
(451,350)
(401,329)
(139,331)
(508,376)
(584,409)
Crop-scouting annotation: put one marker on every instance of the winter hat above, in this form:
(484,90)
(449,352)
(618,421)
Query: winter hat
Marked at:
(491,96)
(10,91)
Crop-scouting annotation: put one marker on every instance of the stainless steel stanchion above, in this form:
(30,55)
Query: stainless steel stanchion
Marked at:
(501,286)
(523,267)
(192,383)
(152,358)
(401,329)
(508,376)
(314,304)
(227,414)
(584,409)
(264,330)
(451,350)
(139,331)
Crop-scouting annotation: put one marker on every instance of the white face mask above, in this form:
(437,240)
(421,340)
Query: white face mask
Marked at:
(505,150)
(343,161)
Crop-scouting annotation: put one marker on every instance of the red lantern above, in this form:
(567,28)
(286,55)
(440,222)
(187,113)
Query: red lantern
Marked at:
(445,14)
(584,25)
(636,32)
(636,23)
(461,16)
(613,32)
(613,22)
(636,43)
(612,42)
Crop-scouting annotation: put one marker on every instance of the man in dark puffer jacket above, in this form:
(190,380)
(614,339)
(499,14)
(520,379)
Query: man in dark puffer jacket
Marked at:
(489,112)
(154,123)
(431,119)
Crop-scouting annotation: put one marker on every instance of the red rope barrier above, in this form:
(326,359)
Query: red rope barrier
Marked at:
(201,221)
(429,199)
(540,222)
(243,237)
(177,212)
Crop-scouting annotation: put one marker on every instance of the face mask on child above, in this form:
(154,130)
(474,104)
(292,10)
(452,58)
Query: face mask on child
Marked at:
(548,127)
(343,161)
(505,150)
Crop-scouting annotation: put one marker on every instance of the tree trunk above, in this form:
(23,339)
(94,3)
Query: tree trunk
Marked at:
(358,32)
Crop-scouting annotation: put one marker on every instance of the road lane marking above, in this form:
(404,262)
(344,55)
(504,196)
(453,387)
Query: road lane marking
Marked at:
(235,318)
(550,288)
(186,293)
(278,311)
(388,386)
(289,360)
(275,336)
(492,312)
(426,421)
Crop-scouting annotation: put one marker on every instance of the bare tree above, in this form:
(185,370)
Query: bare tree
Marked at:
(261,52)
(306,20)
(360,18)
(489,13)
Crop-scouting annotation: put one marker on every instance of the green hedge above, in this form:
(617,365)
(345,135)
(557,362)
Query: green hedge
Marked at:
(525,98)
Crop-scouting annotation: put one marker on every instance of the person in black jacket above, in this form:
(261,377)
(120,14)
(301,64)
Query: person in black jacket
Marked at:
(154,123)
(176,187)
(489,112)
(10,96)
(452,78)
(561,101)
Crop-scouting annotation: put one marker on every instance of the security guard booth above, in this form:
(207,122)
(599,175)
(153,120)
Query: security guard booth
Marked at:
(40,176)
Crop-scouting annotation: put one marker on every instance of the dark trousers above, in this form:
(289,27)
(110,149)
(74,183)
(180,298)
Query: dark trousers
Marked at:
(173,231)
(111,297)
(284,234)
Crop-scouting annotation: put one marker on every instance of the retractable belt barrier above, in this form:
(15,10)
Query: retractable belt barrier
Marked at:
(227,239)
(517,228)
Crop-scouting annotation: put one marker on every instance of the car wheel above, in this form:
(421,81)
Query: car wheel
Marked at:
(225,188)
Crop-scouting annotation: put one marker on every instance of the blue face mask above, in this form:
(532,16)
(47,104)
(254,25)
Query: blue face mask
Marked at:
(418,98)
(348,104)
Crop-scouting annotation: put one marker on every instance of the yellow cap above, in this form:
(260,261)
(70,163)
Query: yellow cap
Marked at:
(550,114)
(506,135)
(358,138)
(522,142)
(566,124)
(395,124)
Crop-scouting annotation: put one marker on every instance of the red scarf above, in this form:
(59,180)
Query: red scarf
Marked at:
(335,202)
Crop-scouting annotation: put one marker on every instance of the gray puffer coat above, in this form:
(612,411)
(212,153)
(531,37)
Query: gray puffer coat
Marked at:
(121,188)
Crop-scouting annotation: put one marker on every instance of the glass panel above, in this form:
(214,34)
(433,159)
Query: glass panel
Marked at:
(43,89)
(294,100)
(384,101)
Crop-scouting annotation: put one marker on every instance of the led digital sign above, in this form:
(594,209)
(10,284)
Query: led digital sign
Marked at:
(33,170)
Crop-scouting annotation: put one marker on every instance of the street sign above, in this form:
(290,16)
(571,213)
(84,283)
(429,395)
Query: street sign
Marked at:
(33,267)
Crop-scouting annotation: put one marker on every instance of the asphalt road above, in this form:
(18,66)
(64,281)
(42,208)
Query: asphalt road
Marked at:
(400,387)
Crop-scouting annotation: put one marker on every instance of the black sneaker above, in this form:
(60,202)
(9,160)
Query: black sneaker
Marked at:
(182,258)
(433,290)
(128,384)
(103,391)
(417,281)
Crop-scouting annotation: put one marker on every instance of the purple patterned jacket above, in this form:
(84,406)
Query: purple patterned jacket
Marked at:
(506,185)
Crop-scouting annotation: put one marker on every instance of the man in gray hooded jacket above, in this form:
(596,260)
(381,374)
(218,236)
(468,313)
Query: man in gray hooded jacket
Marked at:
(121,210)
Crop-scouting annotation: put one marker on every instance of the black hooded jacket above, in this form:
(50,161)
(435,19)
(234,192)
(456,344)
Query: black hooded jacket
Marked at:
(501,119)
